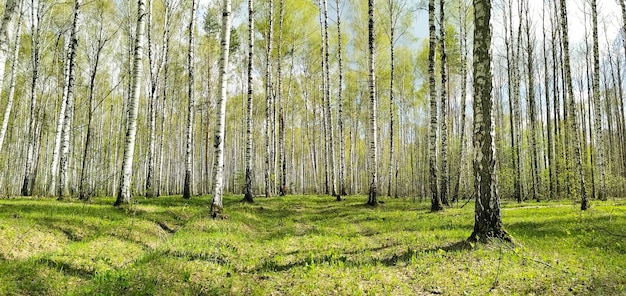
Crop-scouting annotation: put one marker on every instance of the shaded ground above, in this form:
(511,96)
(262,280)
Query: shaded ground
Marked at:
(307,245)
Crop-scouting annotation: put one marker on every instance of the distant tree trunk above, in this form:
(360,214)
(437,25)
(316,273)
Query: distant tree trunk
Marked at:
(487,218)
(247,190)
(573,121)
(187,187)
(444,105)
(124,194)
(373,178)
(100,42)
(342,148)
(220,112)
(532,108)
(599,157)
(268,96)
(15,60)
(550,145)
(165,64)
(67,123)
(436,204)
(463,48)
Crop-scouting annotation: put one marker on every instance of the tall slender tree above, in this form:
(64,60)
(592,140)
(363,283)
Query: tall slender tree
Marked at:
(487,217)
(444,104)
(599,157)
(436,204)
(220,112)
(14,62)
(187,186)
(268,99)
(70,81)
(247,190)
(373,149)
(342,148)
(124,193)
(573,118)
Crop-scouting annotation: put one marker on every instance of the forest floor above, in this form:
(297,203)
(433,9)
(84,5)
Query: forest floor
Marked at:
(305,245)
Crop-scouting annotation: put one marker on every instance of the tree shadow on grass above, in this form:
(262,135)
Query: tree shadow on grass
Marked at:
(333,259)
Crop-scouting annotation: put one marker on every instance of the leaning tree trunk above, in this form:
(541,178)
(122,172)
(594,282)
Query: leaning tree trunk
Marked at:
(247,190)
(432,143)
(190,108)
(487,219)
(599,157)
(63,189)
(444,106)
(373,178)
(11,97)
(573,118)
(220,112)
(124,194)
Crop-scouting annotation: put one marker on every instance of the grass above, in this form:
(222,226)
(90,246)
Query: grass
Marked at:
(305,245)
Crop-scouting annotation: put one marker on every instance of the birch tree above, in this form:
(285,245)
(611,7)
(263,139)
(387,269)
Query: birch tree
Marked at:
(70,81)
(373,149)
(573,118)
(124,193)
(187,186)
(220,112)
(444,104)
(599,157)
(432,143)
(247,190)
(487,218)
(14,62)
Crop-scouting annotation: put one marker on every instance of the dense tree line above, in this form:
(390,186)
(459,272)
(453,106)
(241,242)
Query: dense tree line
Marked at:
(163,97)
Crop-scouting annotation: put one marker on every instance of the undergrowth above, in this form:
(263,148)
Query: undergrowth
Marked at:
(305,245)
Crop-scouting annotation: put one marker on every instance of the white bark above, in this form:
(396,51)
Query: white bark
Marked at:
(191,93)
(124,193)
(11,97)
(218,171)
(68,91)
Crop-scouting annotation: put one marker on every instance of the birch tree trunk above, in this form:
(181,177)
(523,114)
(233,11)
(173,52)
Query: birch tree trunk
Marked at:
(70,81)
(220,112)
(188,182)
(548,100)
(531,106)
(101,41)
(444,105)
(462,47)
(487,218)
(342,148)
(282,182)
(32,139)
(11,96)
(432,143)
(124,193)
(391,97)
(573,118)
(599,157)
(152,98)
(373,149)
(247,190)
(268,97)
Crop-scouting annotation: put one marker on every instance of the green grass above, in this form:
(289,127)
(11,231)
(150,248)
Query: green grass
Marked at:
(305,245)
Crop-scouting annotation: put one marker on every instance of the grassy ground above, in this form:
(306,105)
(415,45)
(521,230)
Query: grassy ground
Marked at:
(305,245)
